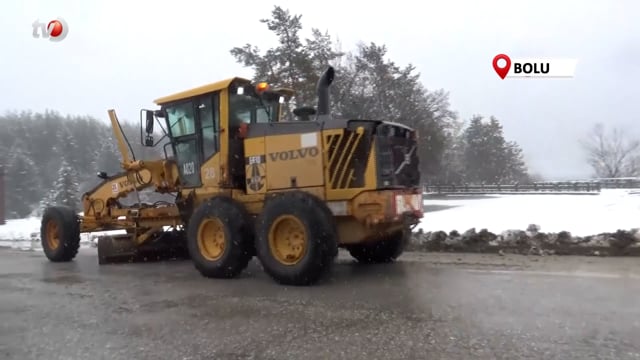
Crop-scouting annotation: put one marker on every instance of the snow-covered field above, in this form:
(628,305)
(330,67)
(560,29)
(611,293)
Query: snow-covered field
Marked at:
(25,234)
(581,215)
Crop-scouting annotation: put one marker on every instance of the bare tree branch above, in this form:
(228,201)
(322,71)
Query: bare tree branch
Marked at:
(612,155)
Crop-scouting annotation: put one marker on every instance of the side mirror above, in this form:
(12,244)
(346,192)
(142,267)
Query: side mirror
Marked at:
(150,121)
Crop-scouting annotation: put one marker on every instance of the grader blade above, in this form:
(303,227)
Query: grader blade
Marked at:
(123,248)
(116,249)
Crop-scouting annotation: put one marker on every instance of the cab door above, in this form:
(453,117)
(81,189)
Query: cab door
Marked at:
(208,118)
(186,143)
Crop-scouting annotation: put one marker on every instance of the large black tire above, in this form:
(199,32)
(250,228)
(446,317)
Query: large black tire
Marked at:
(381,251)
(60,233)
(230,232)
(296,238)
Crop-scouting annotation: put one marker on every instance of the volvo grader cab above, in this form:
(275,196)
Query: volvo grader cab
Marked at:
(247,182)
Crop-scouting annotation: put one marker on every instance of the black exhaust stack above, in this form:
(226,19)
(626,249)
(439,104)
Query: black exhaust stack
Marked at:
(322,90)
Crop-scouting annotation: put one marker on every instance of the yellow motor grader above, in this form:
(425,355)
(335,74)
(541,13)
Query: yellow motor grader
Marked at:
(247,183)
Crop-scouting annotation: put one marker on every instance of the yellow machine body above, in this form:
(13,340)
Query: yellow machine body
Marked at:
(229,139)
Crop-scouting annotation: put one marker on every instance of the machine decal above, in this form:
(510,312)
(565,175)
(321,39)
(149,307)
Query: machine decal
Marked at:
(294,154)
(189,168)
(309,140)
(255,170)
(209,173)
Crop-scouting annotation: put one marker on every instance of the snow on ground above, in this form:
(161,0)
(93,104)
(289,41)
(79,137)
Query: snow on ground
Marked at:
(25,234)
(581,215)
(17,233)
(19,229)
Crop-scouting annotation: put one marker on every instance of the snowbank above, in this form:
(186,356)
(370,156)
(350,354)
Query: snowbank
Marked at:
(530,242)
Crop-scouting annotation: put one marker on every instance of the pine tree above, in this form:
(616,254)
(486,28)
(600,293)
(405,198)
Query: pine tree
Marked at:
(488,157)
(44,130)
(65,191)
(107,158)
(452,171)
(515,169)
(49,199)
(22,184)
(4,151)
(66,146)
(367,86)
(498,153)
(290,63)
(475,152)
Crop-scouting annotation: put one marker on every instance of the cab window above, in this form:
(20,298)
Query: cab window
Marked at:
(209,120)
(246,106)
(181,119)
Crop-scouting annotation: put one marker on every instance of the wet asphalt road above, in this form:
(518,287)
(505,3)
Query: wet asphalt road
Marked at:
(423,307)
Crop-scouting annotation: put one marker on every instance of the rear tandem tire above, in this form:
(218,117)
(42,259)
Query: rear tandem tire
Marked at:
(60,233)
(296,239)
(382,251)
(219,238)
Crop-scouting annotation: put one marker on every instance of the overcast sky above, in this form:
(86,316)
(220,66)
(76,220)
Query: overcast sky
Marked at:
(123,54)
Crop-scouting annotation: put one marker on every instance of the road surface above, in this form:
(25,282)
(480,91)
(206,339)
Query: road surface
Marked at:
(427,306)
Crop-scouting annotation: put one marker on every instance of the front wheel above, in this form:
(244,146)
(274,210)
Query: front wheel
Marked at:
(296,238)
(219,238)
(60,233)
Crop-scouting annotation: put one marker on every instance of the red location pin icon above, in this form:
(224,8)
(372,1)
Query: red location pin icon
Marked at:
(502,71)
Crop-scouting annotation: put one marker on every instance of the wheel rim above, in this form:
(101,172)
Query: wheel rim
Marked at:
(53,235)
(288,240)
(211,239)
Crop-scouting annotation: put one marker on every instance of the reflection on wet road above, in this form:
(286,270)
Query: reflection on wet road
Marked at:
(419,308)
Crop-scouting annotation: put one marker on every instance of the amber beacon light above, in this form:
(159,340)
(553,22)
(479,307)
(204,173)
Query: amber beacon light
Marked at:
(262,86)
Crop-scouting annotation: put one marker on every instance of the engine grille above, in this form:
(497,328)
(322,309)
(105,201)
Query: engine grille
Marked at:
(397,150)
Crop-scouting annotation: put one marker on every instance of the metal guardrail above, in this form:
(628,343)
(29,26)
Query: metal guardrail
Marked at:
(541,188)
(619,183)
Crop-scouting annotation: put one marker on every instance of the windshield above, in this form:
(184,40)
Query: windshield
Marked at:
(181,119)
(246,106)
